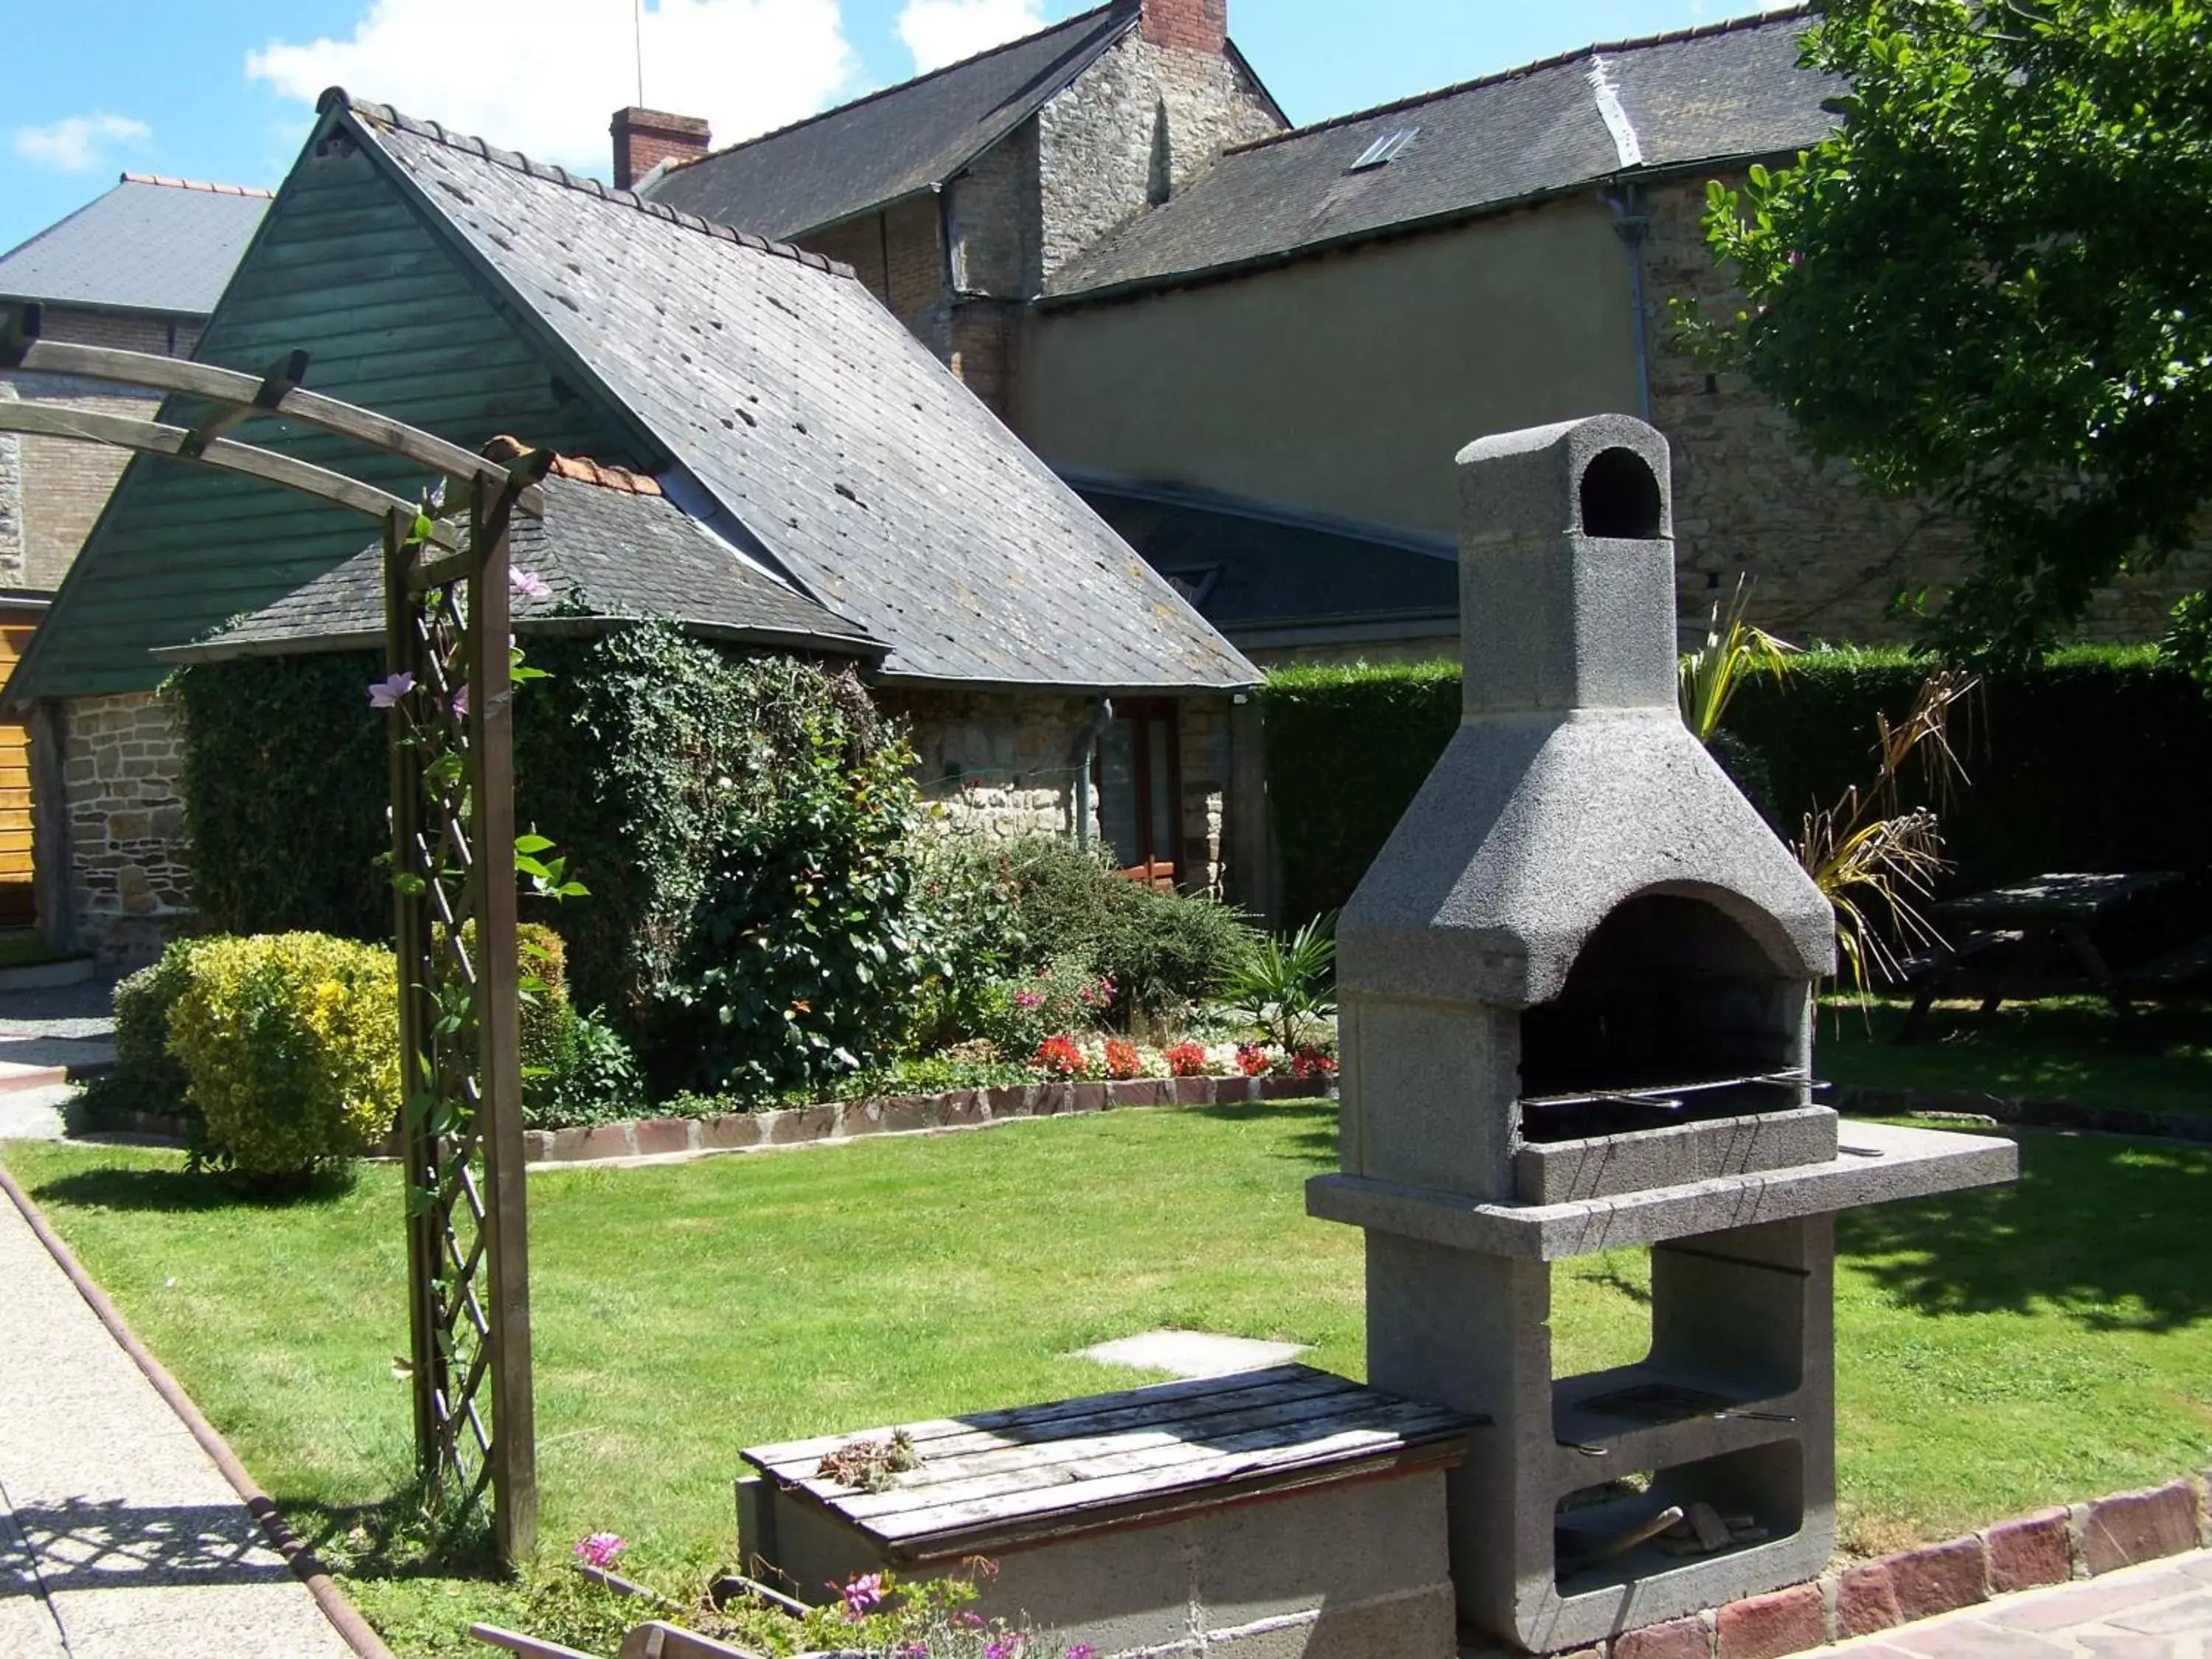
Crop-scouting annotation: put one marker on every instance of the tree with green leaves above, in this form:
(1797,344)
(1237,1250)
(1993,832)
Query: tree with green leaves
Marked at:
(1992,287)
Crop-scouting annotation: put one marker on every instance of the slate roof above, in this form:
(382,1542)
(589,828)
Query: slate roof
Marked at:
(602,551)
(150,243)
(848,459)
(893,143)
(1250,571)
(1725,92)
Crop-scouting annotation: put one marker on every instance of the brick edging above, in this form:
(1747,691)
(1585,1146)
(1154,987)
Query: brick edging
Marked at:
(793,1125)
(2050,1546)
(2022,1112)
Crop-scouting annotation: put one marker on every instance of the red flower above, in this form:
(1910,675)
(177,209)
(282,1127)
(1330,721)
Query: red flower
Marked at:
(1122,1060)
(1312,1063)
(1060,1056)
(1252,1059)
(1186,1059)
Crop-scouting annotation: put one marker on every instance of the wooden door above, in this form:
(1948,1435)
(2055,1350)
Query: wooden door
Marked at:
(16,906)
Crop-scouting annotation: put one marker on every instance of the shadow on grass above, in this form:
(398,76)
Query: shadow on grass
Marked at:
(403,1535)
(183,1192)
(2106,1231)
(1313,1141)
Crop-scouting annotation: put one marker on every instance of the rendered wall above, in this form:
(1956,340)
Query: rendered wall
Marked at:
(1343,384)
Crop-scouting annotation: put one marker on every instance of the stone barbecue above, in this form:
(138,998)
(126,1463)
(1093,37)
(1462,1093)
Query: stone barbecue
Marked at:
(1576,995)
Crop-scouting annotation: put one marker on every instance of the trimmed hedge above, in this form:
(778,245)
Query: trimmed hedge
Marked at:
(2097,759)
(1348,746)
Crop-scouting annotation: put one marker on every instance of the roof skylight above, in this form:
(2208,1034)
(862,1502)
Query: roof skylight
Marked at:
(1387,147)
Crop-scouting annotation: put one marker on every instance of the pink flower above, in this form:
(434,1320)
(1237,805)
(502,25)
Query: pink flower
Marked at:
(1006,1647)
(529,584)
(386,693)
(461,701)
(1082,1651)
(861,1593)
(599,1549)
(1028,999)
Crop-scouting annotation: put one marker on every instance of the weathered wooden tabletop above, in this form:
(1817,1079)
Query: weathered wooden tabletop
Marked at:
(997,1479)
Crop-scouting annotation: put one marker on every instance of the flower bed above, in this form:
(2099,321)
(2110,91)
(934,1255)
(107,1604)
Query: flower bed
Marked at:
(960,1108)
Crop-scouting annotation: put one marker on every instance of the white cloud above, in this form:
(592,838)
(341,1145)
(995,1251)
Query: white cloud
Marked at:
(941,32)
(78,143)
(543,76)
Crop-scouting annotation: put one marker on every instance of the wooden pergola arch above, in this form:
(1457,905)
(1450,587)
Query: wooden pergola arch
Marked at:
(447,619)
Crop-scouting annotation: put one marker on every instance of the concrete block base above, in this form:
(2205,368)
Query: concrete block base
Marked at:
(1348,1570)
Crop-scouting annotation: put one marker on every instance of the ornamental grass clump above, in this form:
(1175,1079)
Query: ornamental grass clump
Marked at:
(290,1044)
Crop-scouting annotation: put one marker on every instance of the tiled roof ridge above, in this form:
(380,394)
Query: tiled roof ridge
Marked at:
(164,180)
(515,161)
(582,468)
(901,86)
(1558,60)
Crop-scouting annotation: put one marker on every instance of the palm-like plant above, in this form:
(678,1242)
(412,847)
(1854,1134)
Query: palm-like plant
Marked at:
(1873,857)
(1283,985)
(1734,651)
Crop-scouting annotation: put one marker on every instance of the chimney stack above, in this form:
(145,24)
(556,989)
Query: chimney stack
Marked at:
(1186,25)
(646,137)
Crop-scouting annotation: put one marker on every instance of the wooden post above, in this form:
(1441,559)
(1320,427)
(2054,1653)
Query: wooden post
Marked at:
(53,866)
(1251,850)
(491,759)
(410,937)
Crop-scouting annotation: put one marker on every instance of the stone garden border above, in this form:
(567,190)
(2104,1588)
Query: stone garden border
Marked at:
(2050,1546)
(838,1119)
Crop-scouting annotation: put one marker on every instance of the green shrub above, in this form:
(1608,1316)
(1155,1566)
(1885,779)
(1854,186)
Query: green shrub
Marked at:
(586,1073)
(290,1044)
(807,947)
(1163,951)
(146,1077)
(1015,1014)
(964,898)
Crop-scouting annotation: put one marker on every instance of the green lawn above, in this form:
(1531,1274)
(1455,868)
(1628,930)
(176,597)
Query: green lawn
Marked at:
(2076,1048)
(1997,1351)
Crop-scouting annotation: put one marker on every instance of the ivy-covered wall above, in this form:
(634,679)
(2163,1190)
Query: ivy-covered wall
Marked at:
(2098,759)
(638,746)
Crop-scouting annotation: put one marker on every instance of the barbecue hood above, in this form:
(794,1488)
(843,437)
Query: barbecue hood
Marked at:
(1572,785)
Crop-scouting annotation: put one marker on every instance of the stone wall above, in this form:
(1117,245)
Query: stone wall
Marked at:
(1136,126)
(63,484)
(129,877)
(1832,559)
(1006,763)
(13,567)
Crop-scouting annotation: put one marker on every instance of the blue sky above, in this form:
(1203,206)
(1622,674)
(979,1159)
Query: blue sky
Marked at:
(223,89)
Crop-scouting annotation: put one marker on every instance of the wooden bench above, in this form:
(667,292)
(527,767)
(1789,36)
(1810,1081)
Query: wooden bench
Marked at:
(1282,1500)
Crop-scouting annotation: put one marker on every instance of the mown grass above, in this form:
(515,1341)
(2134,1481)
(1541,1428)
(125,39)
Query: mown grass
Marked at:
(1997,1351)
(2157,1059)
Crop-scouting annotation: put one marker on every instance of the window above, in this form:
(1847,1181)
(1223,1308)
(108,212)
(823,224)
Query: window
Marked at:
(1140,773)
(1387,147)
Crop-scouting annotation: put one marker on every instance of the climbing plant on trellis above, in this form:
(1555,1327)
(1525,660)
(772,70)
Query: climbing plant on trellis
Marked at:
(451,675)
(452,678)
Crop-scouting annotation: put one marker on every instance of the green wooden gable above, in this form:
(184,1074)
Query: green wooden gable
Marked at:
(394,317)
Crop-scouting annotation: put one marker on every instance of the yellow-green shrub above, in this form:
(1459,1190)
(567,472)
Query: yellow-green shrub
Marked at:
(290,1048)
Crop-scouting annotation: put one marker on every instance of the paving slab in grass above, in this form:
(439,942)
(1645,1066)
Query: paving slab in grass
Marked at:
(1192,1353)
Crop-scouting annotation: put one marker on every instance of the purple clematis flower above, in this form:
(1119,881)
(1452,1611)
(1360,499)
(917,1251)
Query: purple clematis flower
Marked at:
(599,1549)
(529,584)
(461,701)
(386,693)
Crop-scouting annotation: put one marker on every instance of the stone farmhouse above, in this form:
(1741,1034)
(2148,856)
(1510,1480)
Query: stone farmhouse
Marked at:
(140,268)
(1255,350)
(754,446)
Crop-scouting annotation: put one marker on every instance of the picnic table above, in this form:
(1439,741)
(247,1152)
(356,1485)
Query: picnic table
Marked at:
(2058,935)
